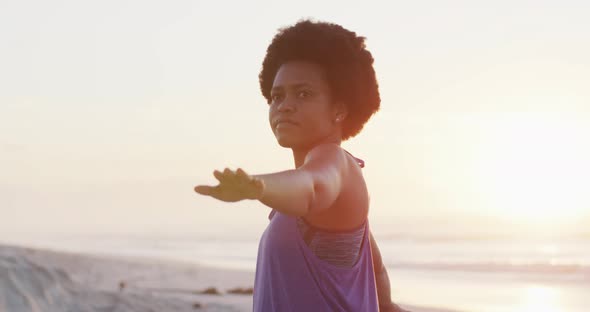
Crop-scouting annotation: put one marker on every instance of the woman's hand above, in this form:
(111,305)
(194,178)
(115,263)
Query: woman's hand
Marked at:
(233,186)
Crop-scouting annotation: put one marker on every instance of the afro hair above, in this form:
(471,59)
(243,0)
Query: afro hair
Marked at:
(341,54)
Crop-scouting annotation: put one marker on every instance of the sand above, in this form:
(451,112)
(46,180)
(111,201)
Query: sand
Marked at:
(34,280)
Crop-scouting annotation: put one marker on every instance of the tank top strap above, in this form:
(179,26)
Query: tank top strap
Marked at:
(358,160)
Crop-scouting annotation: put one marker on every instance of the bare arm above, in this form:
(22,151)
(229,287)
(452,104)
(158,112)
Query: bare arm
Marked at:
(382,281)
(311,188)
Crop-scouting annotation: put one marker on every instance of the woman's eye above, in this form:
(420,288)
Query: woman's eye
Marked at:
(275,97)
(303,94)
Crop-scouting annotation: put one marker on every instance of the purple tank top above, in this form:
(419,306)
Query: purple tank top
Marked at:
(291,278)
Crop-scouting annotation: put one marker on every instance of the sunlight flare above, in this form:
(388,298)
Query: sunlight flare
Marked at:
(535,168)
(540,299)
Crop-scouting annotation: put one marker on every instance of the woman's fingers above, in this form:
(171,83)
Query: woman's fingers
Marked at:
(243,177)
(233,186)
(218,175)
(230,176)
(213,191)
(246,177)
(203,189)
(225,177)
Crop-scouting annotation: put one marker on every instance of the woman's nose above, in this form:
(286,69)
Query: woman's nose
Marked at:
(287,105)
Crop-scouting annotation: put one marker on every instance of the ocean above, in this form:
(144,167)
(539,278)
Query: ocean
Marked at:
(471,275)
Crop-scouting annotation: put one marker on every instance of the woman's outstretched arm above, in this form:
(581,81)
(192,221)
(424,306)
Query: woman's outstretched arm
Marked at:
(382,281)
(312,187)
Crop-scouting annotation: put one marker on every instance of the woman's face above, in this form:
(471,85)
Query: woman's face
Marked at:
(301,112)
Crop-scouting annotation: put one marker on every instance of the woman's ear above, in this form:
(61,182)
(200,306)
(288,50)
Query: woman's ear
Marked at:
(340,117)
(340,112)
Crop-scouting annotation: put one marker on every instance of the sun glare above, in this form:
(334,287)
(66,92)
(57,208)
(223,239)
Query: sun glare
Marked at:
(540,299)
(535,168)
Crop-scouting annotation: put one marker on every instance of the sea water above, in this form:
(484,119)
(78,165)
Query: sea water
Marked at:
(479,275)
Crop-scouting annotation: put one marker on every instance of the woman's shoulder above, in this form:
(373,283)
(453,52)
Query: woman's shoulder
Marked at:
(327,153)
(334,156)
(335,151)
(358,161)
(326,149)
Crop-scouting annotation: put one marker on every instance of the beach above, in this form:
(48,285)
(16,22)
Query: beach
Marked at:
(179,271)
(40,279)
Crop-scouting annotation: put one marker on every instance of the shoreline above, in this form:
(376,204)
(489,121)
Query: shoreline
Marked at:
(48,278)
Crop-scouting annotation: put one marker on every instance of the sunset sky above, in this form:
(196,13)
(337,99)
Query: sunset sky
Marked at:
(112,111)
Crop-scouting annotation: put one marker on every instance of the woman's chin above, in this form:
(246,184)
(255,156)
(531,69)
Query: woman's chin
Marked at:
(286,141)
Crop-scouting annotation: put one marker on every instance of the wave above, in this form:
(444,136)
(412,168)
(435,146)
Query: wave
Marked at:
(566,270)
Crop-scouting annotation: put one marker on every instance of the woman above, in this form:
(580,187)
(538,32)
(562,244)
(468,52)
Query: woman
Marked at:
(317,253)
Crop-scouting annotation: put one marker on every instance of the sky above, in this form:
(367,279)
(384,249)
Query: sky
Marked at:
(112,111)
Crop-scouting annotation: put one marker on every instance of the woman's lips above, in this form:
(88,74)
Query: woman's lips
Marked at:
(285,123)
